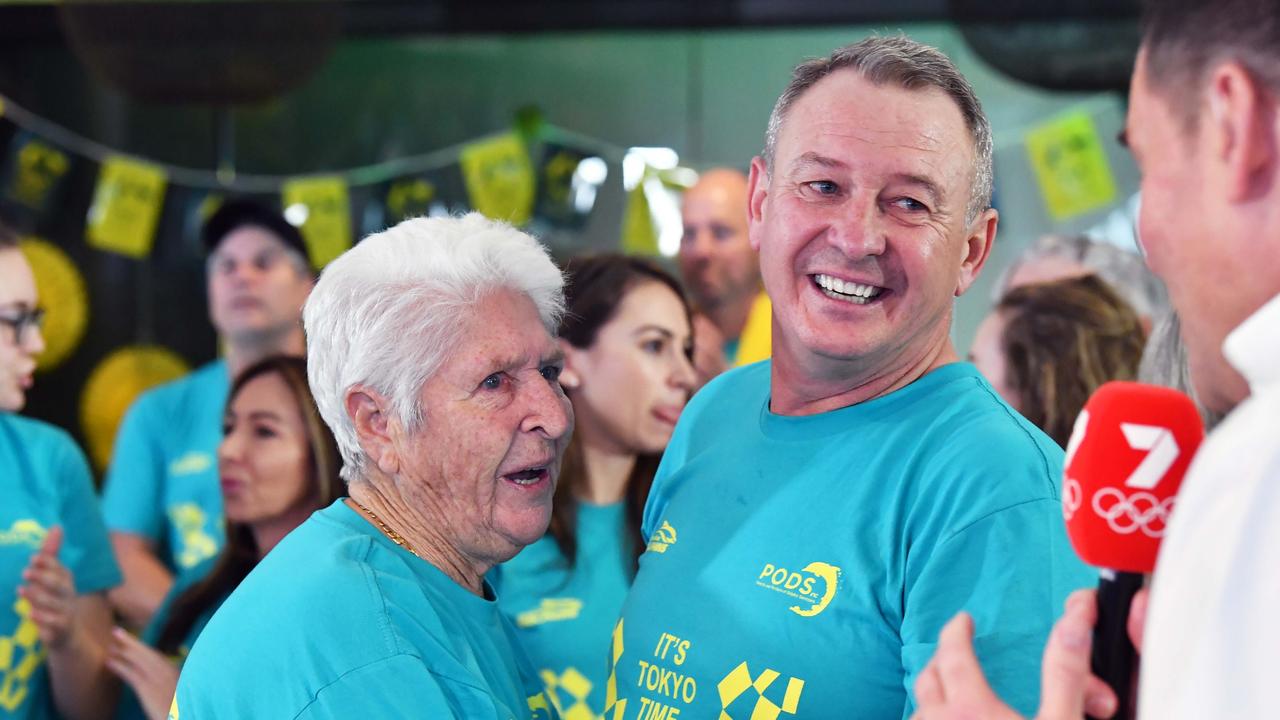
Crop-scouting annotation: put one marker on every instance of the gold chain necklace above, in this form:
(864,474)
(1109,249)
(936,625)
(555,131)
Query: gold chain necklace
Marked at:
(396,537)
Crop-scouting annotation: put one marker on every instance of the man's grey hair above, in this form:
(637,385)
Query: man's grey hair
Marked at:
(901,61)
(1124,271)
(388,312)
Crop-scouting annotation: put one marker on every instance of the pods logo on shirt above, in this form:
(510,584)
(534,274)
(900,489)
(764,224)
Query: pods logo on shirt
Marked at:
(814,585)
(23,532)
(663,538)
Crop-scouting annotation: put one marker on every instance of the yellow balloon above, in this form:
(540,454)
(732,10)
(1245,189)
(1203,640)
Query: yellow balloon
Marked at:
(113,386)
(63,295)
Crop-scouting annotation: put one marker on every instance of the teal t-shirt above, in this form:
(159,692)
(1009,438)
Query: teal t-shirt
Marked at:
(339,622)
(804,566)
(163,479)
(44,481)
(129,708)
(564,615)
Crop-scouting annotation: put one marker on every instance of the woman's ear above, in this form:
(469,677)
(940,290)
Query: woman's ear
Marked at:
(570,378)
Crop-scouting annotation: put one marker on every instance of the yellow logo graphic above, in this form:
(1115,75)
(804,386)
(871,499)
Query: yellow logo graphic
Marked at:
(611,701)
(550,610)
(197,544)
(20,656)
(538,708)
(568,692)
(23,532)
(191,463)
(814,586)
(739,680)
(663,538)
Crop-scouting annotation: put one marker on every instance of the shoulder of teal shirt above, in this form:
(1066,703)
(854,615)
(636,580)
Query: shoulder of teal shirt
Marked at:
(340,588)
(737,390)
(171,418)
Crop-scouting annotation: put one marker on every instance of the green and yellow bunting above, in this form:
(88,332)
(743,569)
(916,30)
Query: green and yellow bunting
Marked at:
(1071,166)
(327,229)
(126,207)
(499,178)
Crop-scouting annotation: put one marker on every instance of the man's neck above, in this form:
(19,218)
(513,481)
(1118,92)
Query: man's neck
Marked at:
(804,384)
(730,317)
(245,351)
(379,501)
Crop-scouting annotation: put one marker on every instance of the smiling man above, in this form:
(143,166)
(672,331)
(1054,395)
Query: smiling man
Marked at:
(161,500)
(818,518)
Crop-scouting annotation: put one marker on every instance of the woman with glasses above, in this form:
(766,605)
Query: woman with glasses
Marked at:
(53,631)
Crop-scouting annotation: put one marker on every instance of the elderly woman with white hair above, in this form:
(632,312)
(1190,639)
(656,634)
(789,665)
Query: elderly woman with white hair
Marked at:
(431,356)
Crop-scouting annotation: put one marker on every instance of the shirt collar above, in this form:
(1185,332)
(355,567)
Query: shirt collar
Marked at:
(1253,346)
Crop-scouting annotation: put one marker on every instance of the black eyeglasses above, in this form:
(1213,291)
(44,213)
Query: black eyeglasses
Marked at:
(22,321)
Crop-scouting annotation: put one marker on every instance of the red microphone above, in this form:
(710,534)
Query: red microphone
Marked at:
(1128,453)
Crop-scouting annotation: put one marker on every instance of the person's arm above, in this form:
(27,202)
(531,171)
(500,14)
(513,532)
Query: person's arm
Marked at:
(146,579)
(153,677)
(74,630)
(132,508)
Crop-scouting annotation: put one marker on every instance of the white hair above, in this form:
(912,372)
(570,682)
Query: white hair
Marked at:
(388,312)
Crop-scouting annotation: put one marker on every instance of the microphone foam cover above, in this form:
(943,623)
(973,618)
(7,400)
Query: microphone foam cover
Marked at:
(1128,453)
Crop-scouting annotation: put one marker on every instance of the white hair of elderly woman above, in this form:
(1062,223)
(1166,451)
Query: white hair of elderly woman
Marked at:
(387,312)
(1124,271)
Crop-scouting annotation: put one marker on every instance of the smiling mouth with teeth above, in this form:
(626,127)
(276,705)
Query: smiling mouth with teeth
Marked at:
(847,291)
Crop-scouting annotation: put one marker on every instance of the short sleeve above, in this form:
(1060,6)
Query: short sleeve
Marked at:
(131,500)
(85,549)
(1011,570)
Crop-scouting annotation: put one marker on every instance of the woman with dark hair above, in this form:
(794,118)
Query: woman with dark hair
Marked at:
(278,463)
(1046,347)
(628,345)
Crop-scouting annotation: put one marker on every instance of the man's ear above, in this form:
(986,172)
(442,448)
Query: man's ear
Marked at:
(570,379)
(376,426)
(1241,125)
(977,248)
(757,191)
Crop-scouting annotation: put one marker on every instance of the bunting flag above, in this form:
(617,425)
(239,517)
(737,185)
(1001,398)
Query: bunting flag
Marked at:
(639,234)
(126,207)
(566,196)
(499,178)
(327,225)
(33,173)
(1071,166)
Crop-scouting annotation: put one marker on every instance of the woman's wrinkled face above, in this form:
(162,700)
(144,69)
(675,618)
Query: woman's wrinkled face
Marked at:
(264,462)
(485,458)
(634,380)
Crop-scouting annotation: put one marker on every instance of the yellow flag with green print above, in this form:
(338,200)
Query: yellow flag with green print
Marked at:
(499,177)
(327,229)
(639,235)
(126,207)
(1071,166)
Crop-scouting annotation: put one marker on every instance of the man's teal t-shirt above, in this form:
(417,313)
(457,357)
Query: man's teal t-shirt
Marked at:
(804,566)
(564,615)
(44,482)
(337,621)
(128,707)
(163,479)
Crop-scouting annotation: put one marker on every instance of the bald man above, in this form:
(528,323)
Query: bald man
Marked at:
(722,274)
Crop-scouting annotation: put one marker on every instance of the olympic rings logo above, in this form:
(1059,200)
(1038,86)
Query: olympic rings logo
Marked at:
(1139,511)
(1071,498)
